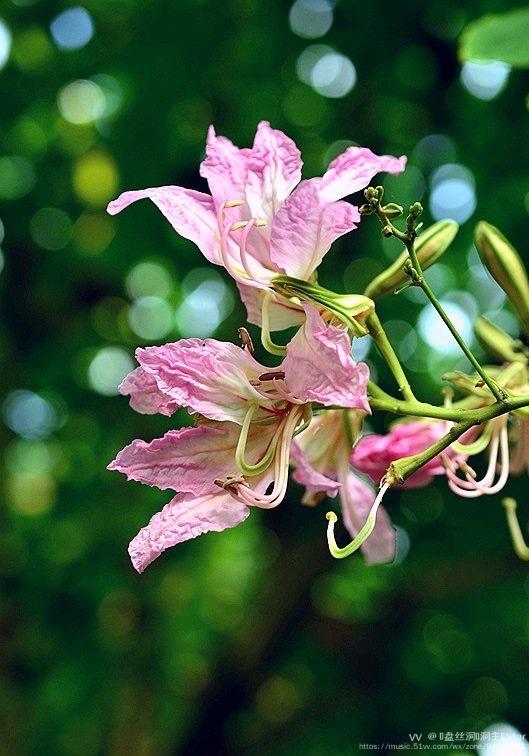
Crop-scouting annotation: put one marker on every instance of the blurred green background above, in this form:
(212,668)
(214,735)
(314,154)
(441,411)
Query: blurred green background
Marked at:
(253,640)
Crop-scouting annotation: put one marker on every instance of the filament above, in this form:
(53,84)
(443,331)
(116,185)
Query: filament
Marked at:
(520,547)
(362,535)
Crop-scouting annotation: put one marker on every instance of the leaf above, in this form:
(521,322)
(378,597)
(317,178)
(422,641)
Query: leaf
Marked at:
(502,37)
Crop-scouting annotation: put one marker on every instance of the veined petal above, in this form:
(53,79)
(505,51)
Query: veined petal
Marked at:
(274,169)
(354,169)
(145,396)
(319,366)
(184,517)
(305,228)
(281,313)
(189,459)
(225,168)
(357,499)
(190,213)
(210,377)
(306,475)
(374,453)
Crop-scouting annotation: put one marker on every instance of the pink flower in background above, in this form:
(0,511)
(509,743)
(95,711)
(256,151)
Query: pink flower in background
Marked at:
(260,219)
(321,455)
(374,453)
(238,455)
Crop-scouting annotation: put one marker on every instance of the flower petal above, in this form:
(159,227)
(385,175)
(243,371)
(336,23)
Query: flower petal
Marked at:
(374,453)
(354,169)
(184,517)
(305,228)
(225,168)
(190,213)
(306,475)
(145,396)
(210,377)
(357,499)
(281,313)
(189,459)
(319,366)
(274,169)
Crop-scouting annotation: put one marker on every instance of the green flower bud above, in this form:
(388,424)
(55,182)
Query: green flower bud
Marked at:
(429,247)
(351,309)
(505,266)
(392,210)
(498,343)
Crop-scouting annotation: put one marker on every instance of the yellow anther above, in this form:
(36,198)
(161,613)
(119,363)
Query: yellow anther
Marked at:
(260,222)
(234,203)
(238,225)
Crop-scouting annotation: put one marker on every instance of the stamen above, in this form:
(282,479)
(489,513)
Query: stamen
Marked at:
(272,376)
(259,467)
(234,203)
(266,339)
(246,339)
(362,535)
(520,547)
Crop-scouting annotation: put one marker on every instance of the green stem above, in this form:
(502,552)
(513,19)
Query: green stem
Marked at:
(384,346)
(408,239)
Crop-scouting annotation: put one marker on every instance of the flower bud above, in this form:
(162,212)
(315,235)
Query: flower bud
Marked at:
(505,266)
(392,210)
(498,343)
(429,247)
(351,309)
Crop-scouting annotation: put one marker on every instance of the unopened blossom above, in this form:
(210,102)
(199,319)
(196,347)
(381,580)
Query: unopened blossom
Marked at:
(247,415)
(321,457)
(260,219)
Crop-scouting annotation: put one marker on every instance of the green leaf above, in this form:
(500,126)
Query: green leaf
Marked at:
(502,37)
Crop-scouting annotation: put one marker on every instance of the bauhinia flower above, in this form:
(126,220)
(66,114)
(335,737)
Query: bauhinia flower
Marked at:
(238,454)
(321,456)
(261,220)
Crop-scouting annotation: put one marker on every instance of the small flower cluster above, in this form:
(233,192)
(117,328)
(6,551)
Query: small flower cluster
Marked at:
(270,231)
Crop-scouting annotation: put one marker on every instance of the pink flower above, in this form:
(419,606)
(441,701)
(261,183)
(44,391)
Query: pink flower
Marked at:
(238,455)
(321,458)
(260,219)
(374,453)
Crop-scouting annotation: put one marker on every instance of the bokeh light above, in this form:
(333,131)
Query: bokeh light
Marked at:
(453,193)
(311,18)
(95,178)
(148,278)
(334,75)
(151,318)
(435,333)
(107,369)
(5,43)
(72,29)
(485,80)
(502,739)
(51,228)
(206,302)
(29,415)
(17,177)
(81,102)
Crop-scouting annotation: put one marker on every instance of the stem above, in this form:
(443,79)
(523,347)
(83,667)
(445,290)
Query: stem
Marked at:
(408,239)
(384,346)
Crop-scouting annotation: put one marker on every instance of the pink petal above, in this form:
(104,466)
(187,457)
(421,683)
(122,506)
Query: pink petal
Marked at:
(184,517)
(274,169)
(225,168)
(305,228)
(319,366)
(374,453)
(281,313)
(354,169)
(210,377)
(357,499)
(306,475)
(145,396)
(189,459)
(190,213)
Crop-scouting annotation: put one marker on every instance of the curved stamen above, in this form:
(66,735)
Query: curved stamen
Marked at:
(479,445)
(282,457)
(259,467)
(266,339)
(520,547)
(470,488)
(363,533)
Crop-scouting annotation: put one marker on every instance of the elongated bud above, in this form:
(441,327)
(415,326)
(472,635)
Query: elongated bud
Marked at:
(471,385)
(351,309)
(498,343)
(429,247)
(505,266)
